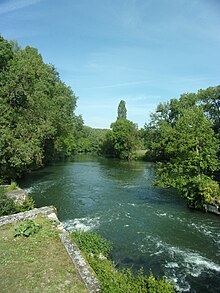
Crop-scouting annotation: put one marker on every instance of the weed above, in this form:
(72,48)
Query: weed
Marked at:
(13,186)
(27,228)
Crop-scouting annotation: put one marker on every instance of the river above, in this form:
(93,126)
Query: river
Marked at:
(149,227)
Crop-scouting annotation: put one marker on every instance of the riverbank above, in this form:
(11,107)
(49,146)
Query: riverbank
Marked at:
(44,262)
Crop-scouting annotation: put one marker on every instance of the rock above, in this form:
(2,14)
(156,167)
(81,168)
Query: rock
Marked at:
(18,195)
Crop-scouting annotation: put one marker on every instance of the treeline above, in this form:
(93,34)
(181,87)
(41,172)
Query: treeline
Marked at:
(38,125)
(37,119)
(183,138)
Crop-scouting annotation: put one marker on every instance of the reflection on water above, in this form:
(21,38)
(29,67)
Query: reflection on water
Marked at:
(149,227)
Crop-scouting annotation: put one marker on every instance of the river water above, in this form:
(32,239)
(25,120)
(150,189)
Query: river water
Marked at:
(149,227)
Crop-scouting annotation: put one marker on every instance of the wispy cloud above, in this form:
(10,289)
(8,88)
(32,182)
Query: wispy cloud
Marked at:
(130,83)
(13,5)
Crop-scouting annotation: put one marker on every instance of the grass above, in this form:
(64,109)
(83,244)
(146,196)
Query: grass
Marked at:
(38,263)
(13,186)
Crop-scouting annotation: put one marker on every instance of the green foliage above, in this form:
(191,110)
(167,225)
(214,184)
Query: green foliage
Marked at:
(192,149)
(27,228)
(201,190)
(90,140)
(122,140)
(111,279)
(6,53)
(92,243)
(37,121)
(27,205)
(119,281)
(180,136)
(7,205)
(122,111)
(13,186)
(210,100)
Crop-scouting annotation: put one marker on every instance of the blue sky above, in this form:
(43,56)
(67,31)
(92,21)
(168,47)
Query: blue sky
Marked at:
(141,51)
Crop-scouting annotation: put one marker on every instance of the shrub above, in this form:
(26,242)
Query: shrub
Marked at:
(202,190)
(7,205)
(111,279)
(27,204)
(92,243)
(13,186)
(27,228)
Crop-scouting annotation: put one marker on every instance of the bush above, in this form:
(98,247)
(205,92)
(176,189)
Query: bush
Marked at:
(92,243)
(13,186)
(27,228)
(111,279)
(7,205)
(202,190)
(27,204)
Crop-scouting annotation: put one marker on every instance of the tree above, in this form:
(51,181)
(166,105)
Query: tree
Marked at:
(159,130)
(6,53)
(122,111)
(191,149)
(124,138)
(181,139)
(210,100)
(37,112)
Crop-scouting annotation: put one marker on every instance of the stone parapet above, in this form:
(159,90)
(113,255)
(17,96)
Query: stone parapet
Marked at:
(11,219)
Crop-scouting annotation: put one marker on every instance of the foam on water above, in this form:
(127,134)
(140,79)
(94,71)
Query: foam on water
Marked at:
(29,189)
(127,186)
(178,263)
(161,214)
(83,224)
(131,204)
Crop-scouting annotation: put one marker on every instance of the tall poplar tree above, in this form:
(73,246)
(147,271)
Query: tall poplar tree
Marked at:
(122,111)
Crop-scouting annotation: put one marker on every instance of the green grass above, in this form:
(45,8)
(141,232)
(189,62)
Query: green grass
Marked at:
(38,263)
(13,186)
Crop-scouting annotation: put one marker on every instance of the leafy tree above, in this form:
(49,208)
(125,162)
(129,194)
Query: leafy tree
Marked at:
(36,112)
(210,99)
(180,137)
(6,53)
(191,151)
(159,130)
(122,111)
(124,138)
(90,140)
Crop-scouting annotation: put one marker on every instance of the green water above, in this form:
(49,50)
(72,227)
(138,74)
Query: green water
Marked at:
(149,227)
